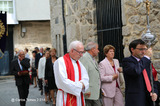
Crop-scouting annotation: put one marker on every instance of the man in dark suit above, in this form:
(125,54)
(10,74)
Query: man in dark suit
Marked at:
(136,92)
(19,68)
(38,56)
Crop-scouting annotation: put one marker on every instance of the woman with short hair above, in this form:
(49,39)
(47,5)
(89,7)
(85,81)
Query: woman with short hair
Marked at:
(49,75)
(109,73)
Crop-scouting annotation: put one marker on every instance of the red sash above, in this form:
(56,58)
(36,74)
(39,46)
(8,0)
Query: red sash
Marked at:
(154,72)
(71,99)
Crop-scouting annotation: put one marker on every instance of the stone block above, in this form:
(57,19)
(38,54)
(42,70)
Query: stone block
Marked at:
(126,30)
(151,17)
(131,11)
(142,10)
(155,12)
(73,33)
(73,1)
(156,5)
(91,5)
(131,3)
(136,33)
(137,29)
(125,40)
(157,47)
(158,16)
(126,51)
(75,7)
(82,4)
(155,27)
(156,55)
(84,31)
(91,39)
(70,20)
(134,19)
(156,64)
(143,21)
(92,33)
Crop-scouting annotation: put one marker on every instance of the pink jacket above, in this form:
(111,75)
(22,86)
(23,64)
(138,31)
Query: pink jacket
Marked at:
(106,73)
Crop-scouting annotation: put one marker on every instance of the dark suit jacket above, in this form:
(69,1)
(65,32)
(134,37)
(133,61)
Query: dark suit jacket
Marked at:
(38,56)
(49,69)
(15,68)
(49,74)
(136,93)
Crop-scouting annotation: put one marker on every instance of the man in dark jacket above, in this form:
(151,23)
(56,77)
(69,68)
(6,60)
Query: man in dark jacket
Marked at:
(19,68)
(136,69)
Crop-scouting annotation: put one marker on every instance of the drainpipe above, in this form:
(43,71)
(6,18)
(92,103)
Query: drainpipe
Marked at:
(64,36)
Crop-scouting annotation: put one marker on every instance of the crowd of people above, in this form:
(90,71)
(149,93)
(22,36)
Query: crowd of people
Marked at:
(76,79)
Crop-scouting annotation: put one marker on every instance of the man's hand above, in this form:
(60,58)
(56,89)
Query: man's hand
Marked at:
(88,94)
(46,81)
(82,85)
(115,76)
(153,96)
(19,73)
(149,52)
(20,58)
(119,69)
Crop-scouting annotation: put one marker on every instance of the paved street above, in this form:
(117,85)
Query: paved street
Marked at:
(9,95)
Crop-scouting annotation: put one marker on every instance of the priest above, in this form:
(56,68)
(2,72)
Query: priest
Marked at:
(71,77)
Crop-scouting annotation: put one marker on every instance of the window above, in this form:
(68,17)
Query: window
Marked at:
(6,5)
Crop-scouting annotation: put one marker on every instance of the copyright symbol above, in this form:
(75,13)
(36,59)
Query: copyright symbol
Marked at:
(12,100)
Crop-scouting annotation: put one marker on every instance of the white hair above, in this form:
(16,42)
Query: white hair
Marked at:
(90,45)
(19,52)
(74,44)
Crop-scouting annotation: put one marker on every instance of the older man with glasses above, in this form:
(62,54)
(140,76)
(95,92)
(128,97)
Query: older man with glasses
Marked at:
(91,65)
(71,77)
(19,68)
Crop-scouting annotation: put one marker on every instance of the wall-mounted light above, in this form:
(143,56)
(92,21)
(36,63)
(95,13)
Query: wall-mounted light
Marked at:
(23,31)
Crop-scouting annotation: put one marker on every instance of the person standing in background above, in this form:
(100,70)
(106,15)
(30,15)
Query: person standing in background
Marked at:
(41,72)
(19,68)
(15,53)
(33,68)
(49,74)
(89,62)
(38,56)
(26,53)
(109,72)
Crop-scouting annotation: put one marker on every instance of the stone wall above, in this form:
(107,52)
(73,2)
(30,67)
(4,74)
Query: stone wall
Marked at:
(37,35)
(134,21)
(80,21)
(57,29)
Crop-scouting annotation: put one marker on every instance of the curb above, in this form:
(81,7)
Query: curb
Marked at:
(6,77)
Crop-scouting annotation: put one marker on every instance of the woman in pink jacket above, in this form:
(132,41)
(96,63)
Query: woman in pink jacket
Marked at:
(109,72)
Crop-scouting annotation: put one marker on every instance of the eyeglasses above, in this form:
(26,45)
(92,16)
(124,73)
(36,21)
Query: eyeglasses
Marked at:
(79,52)
(141,49)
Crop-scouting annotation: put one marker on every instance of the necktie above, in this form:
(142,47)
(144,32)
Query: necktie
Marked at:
(148,84)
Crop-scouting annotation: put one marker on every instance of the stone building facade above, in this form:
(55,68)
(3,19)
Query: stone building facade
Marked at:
(33,22)
(81,23)
(37,35)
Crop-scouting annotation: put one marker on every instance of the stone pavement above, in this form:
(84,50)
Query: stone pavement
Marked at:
(9,94)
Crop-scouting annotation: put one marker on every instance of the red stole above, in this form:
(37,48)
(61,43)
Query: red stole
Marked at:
(71,99)
(154,72)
